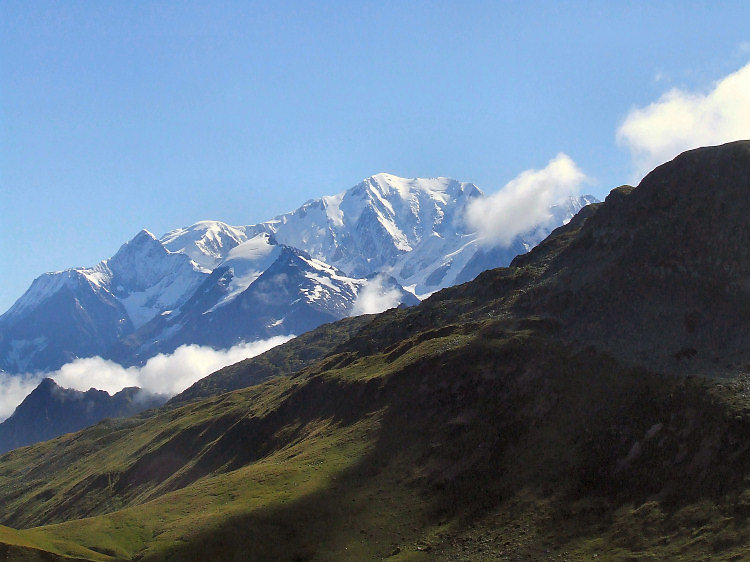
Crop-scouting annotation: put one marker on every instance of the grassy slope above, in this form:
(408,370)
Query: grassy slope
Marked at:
(17,546)
(384,455)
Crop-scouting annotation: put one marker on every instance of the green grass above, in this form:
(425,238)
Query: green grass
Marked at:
(38,545)
(162,525)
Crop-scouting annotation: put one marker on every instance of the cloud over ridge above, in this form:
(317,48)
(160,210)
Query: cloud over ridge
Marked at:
(523,204)
(680,120)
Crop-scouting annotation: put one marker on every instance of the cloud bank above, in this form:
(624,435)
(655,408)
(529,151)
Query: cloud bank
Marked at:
(376,297)
(681,120)
(163,374)
(524,203)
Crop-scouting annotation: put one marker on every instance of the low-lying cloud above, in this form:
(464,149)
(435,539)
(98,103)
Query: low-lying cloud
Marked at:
(163,374)
(524,203)
(680,120)
(376,297)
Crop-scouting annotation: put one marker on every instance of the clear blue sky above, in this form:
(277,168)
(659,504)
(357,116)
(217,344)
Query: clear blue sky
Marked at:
(117,116)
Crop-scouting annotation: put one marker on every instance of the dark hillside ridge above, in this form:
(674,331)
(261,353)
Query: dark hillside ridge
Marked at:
(50,410)
(659,274)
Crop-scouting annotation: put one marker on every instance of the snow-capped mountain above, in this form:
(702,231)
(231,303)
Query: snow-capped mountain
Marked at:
(412,229)
(82,312)
(383,224)
(278,290)
(216,284)
(374,225)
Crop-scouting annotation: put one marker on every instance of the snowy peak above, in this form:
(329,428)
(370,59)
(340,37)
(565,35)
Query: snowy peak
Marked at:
(371,225)
(139,263)
(47,285)
(207,243)
(148,279)
(144,238)
(417,200)
(440,189)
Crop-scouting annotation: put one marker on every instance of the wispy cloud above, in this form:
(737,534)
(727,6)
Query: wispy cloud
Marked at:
(376,297)
(524,203)
(680,120)
(163,374)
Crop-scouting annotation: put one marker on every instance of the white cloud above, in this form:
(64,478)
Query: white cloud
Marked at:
(375,297)
(13,389)
(681,120)
(524,203)
(163,374)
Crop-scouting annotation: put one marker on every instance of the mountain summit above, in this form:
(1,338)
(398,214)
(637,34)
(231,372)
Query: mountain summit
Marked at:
(412,229)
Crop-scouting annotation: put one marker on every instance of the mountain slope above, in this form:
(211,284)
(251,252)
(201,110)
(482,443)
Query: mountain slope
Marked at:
(659,274)
(394,455)
(479,424)
(286,359)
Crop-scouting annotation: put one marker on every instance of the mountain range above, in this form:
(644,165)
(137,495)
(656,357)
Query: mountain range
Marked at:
(393,239)
(589,401)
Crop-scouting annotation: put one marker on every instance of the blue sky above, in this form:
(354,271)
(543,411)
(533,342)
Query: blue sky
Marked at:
(117,116)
